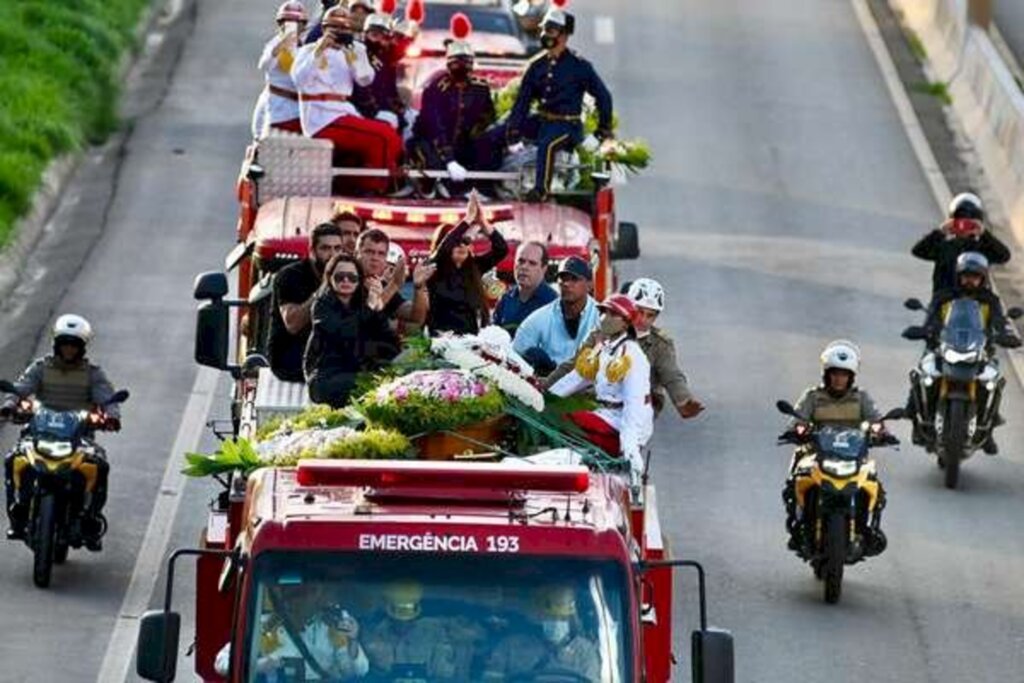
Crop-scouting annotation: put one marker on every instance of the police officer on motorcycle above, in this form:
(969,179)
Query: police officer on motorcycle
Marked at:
(65,380)
(837,400)
(972,281)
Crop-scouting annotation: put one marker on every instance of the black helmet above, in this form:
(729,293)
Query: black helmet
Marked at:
(972,262)
(966,205)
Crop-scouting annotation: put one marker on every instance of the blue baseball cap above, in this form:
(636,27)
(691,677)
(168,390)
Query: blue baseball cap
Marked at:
(574,265)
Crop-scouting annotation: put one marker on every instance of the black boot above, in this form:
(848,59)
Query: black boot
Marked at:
(94,524)
(17,518)
(990,446)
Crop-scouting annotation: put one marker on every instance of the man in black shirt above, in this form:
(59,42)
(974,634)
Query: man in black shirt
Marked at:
(294,287)
(351,226)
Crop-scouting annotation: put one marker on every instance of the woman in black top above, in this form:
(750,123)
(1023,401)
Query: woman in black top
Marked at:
(457,301)
(350,333)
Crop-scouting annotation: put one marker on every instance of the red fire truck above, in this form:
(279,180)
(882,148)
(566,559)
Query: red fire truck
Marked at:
(471,545)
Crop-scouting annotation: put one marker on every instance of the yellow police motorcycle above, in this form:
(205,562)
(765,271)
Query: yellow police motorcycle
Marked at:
(55,457)
(833,497)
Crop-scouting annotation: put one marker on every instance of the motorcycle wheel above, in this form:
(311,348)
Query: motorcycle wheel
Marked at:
(955,437)
(835,556)
(43,541)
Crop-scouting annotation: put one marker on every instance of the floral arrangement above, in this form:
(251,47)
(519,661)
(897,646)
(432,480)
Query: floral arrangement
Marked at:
(317,432)
(489,355)
(431,401)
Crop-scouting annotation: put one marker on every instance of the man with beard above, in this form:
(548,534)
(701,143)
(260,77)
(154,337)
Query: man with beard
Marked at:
(456,111)
(294,287)
(380,99)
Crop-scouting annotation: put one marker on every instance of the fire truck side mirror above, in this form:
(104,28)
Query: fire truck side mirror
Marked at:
(212,335)
(212,286)
(712,656)
(156,657)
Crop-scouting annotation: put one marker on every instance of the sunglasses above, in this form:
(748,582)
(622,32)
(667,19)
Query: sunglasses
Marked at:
(346,277)
(466,241)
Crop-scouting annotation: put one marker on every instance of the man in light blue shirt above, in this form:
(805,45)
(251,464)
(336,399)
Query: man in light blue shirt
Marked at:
(555,332)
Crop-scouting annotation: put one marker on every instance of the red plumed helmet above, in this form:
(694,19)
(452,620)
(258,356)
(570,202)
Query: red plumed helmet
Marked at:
(387,6)
(415,11)
(621,305)
(460,26)
(560,4)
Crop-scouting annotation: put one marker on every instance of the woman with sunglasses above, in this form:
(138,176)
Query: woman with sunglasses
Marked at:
(457,300)
(350,332)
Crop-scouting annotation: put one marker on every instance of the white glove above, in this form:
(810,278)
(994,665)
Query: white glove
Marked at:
(457,171)
(590,144)
(516,148)
(388,117)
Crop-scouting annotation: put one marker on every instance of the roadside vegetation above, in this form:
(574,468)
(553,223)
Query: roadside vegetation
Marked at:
(58,87)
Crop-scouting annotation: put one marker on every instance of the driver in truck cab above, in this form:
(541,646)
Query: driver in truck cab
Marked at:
(403,645)
(325,642)
(558,645)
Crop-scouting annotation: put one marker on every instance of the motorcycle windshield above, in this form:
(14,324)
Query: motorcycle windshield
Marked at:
(964,326)
(54,425)
(840,443)
(437,617)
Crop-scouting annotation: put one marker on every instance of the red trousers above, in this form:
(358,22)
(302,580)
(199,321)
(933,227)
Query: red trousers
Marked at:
(598,432)
(374,143)
(292,126)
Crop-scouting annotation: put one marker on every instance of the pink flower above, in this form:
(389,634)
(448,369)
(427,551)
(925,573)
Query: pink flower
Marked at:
(400,394)
(479,389)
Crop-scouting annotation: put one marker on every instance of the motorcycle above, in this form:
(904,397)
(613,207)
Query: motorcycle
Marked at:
(833,497)
(957,386)
(56,458)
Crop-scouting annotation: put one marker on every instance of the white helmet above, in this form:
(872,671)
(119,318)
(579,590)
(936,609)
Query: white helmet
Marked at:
(74,326)
(647,293)
(840,355)
(966,205)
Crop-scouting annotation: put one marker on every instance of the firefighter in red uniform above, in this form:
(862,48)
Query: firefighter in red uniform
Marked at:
(620,373)
(326,73)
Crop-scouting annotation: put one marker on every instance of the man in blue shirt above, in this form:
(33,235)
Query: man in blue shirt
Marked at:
(557,81)
(530,291)
(555,332)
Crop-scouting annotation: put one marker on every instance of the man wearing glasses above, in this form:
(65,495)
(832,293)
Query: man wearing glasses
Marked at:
(530,291)
(555,332)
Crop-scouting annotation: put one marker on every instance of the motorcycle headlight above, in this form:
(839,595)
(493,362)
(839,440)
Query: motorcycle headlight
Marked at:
(839,468)
(54,449)
(951,356)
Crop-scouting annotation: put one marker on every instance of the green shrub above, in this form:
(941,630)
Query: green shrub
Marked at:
(58,86)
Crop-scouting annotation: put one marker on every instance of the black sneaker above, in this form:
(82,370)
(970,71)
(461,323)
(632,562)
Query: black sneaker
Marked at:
(94,544)
(990,446)
(15,534)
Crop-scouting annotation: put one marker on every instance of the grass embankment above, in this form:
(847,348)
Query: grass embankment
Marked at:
(58,87)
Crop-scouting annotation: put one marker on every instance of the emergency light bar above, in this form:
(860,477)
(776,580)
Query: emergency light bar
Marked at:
(442,475)
(424,216)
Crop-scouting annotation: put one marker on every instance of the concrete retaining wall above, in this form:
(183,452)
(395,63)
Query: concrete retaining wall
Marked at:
(986,98)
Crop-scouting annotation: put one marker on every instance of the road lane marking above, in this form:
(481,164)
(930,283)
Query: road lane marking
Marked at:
(148,563)
(912,126)
(604,30)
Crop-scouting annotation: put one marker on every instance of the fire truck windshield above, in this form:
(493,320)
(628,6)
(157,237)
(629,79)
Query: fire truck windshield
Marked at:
(437,617)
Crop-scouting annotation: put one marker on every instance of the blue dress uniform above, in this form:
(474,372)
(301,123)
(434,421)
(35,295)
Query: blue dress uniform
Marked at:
(557,85)
(453,124)
(382,93)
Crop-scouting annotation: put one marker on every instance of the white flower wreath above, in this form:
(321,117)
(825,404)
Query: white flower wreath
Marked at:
(490,355)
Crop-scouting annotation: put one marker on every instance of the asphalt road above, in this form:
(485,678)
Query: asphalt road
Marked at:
(778,214)
(1009,17)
